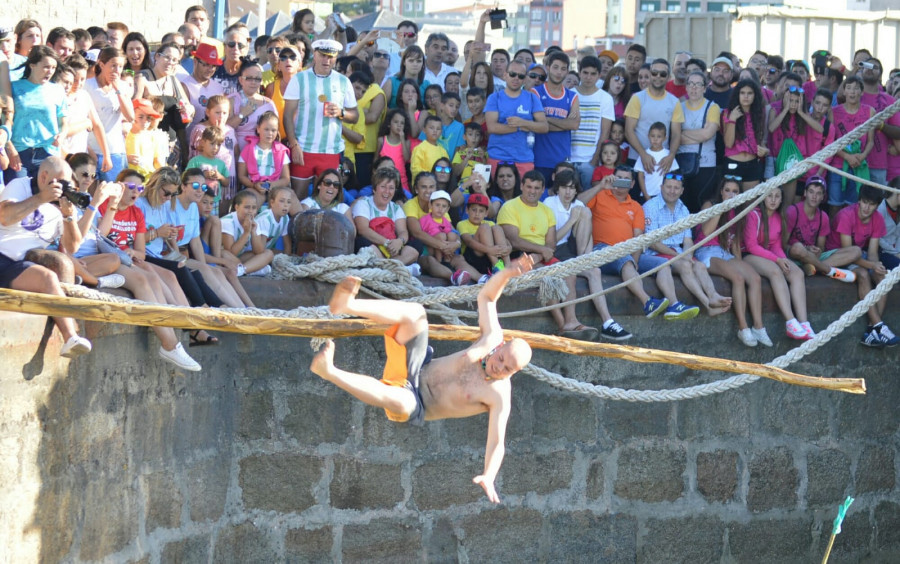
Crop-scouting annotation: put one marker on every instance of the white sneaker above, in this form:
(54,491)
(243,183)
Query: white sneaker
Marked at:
(809,331)
(179,358)
(75,347)
(111,281)
(795,330)
(762,337)
(262,272)
(746,337)
(484,278)
(414,269)
(240,269)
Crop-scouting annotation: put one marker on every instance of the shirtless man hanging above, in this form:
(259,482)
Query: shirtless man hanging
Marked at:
(462,384)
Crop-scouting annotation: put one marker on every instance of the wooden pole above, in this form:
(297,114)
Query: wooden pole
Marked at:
(220,320)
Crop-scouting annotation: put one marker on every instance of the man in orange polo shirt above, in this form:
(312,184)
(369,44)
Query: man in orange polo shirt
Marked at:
(617,218)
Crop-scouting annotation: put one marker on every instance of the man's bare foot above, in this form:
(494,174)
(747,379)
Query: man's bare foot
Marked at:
(720,301)
(714,311)
(323,363)
(345,291)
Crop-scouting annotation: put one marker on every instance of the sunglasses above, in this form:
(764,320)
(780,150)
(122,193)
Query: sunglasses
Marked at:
(663,74)
(331,183)
(91,175)
(378,55)
(233,44)
(273,50)
(287,57)
(794,89)
(520,76)
(694,84)
(197,186)
(815,180)
(133,186)
(537,76)
(772,70)
(253,78)
(445,169)
(673,176)
(128,72)
(406,34)
(619,78)
(733,177)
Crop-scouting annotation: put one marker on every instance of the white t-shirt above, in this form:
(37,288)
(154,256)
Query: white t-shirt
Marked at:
(274,230)
(80,107)
(653,181)
(562,214)
(110,114)
(37,230)
(365,207)
(594,108)
(232,226)
(314,205)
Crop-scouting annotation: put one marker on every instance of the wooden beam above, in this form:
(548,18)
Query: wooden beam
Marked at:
(220,320)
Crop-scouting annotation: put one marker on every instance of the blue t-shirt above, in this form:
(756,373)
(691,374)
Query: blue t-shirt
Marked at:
(154,218)
(451,137)
(189,218)
(512,147)
(553,147)
(39,107)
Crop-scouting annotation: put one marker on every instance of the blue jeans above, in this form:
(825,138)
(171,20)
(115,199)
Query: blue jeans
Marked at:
(585,172)
(838,195)
(31,161)
(614,267)
(119,162)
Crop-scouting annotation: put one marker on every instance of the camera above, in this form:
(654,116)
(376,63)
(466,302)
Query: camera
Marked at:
(621,183)
(820,61)
(867,65)
(498,18)
(79,199)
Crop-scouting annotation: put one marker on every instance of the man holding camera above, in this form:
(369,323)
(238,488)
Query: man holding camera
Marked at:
(29,223)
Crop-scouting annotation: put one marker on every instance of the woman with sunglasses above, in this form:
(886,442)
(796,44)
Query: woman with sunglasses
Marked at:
(698,142)
(443,174)
(328,194)
(288,67)
(744,128)
(616,85)
(159,81)
(248,103)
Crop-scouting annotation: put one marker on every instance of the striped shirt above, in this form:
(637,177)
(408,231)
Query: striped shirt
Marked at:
(594,108)
(315,132)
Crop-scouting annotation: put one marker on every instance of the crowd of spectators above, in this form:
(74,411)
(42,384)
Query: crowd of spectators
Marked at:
(175,170)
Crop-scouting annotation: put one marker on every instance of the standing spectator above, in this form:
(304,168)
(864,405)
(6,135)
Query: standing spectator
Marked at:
(112,105)
(406,36)
(678,85)
(512,116)
(635,58)
(198,16)
(289,64)
(847,117)
(697,154)
(237,45)
(608,59)
(412,67)
(743,125)
(28,221)
(115,34)
(597,114)
(719,90)
(561,108)
(436,47)
(874,96)
(16,62)
(651,106)
(616,85)
(789,123)
(192,38)
(137,52)
(247,104)
(62,41)
(321,100)
(199,86)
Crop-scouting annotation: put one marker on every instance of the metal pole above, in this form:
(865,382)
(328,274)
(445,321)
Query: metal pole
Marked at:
(261,29)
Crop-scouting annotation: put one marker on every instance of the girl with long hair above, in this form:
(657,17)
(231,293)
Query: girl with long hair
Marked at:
(744,124)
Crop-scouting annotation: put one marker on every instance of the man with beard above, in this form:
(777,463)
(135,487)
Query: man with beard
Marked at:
(199,84)
(452,54)
(192,37)
(678,85)
(563,117)
(874,96)
(719,89)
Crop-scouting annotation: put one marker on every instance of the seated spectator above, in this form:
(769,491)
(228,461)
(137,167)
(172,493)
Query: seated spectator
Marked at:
(530,227)
(485,247)
(242,237)
(328,194)
(29,221)
(444,262)
(380,221)
(890,210)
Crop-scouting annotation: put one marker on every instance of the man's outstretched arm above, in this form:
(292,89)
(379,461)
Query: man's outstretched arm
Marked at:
(492,290)
(495,449)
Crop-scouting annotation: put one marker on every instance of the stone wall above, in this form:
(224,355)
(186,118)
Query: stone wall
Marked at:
(153,18)
(116,457)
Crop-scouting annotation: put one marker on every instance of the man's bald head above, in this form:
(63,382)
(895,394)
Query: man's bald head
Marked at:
(53,168)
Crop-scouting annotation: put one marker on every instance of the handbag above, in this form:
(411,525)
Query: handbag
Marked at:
(106,245)
(689,163)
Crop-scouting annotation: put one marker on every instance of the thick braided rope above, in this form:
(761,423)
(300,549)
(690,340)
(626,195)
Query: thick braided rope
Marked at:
(719,386)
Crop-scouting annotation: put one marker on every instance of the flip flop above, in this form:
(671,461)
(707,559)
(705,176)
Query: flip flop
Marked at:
(195,340)
(581,333)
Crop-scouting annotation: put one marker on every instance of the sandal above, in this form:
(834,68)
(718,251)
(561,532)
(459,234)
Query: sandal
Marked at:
(580,333)
(196,341)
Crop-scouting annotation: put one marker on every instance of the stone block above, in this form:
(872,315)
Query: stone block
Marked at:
(794,411)
(193,549)
(651,473)
(164,501)
(207,488)
(314,419)
(442,545)
(110,518)
(595,485)
(492,534)
(202,426)
(257,416)
(582,536)
(828,475)
(466,432)
(887,526)
(773,480)
(854,541)
(713,417)
(624,420)
(568,417)
(379,431)
(357,484)
(717,475)
(773,541)
(302,545)
(244,543)
(875,469)
(873,415)
(538,473)
(690,539)
(384,541)
(280,482)
(150,430)
(445,482)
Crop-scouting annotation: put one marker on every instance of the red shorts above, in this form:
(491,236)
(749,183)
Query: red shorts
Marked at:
(315,164)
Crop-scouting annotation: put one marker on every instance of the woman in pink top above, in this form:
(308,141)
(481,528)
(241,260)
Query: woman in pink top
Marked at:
(743,127)
(763,250)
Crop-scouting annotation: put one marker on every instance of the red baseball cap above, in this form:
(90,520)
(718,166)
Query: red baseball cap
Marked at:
(210,51)
(479,200)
